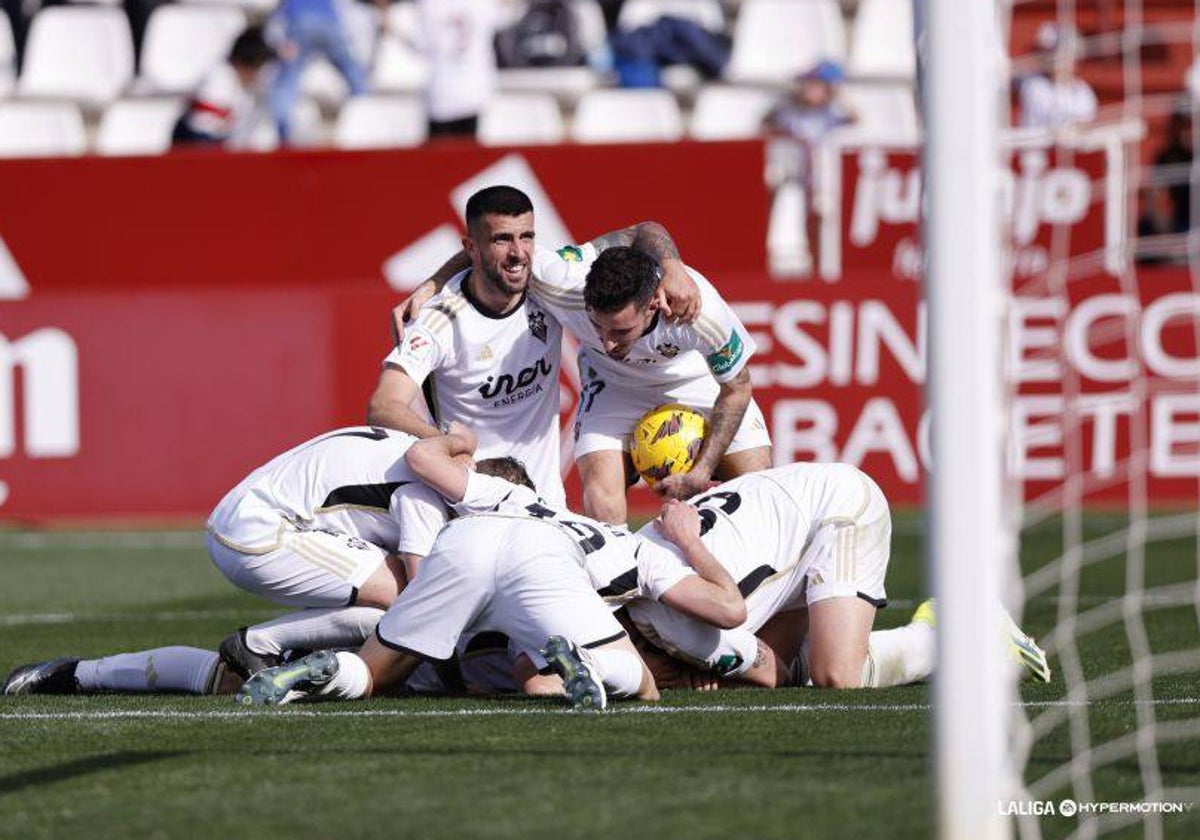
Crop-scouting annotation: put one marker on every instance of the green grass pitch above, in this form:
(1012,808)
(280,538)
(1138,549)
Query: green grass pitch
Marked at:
(733,764)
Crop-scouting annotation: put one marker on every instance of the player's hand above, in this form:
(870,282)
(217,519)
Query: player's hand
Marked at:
(408,309)
(678,296)
(682,485)
(679,522)
(467,440)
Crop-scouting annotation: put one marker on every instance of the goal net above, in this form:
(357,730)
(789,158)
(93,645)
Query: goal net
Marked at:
(1100,351)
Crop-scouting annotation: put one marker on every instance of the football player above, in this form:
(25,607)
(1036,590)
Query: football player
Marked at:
(487,354)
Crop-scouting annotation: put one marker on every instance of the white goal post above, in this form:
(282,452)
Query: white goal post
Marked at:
(961,87)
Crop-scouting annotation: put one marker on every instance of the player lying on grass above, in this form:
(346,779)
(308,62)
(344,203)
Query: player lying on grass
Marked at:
(609,295)
(809,546)
(488,352)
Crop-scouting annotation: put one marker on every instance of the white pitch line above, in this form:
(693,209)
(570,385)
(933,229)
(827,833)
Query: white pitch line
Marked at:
(25,619)
(84,540)
(793,708)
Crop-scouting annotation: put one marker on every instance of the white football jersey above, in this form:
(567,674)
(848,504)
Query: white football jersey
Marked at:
(352,481)
(758,525)
(498,375)
(611,556)
(716,344)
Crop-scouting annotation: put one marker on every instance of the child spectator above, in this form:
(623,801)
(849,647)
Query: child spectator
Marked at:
(225,108)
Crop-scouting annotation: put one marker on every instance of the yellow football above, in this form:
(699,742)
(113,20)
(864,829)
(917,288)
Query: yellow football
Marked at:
(666,440)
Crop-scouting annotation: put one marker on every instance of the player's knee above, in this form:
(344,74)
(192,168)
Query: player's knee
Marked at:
(835,674)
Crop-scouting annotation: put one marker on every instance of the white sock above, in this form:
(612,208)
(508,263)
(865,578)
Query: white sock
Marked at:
(318,629)
(900,656)
(352,680)
(620,671)
(162,669)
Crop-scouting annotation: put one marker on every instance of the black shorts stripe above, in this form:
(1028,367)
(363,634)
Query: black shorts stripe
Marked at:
(364,495)
(409,651)
(602,642)
(877,603)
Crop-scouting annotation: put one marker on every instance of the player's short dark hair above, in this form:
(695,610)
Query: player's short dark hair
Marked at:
(496,201)
(251,49)
(508,468)
(621,276)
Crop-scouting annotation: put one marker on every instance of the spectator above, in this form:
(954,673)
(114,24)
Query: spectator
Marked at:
(1054,97)
(1168,204)
(303,30)
(458,36)
(801,122)
(226,107)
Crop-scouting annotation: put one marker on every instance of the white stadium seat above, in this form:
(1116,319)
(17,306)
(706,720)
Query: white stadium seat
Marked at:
(775,40)
(882,42)
(372,122)
(83,53)
(566,83)
(725,112)
(258,8)
(8,58)
(707,13)
(184,42)
(41,129)
(886,113)
(399,66)
(137,126)
(627,116)
(519,119)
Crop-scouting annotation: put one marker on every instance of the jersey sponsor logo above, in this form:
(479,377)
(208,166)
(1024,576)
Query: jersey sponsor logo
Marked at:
(417,346)
(668,350)
(537,324)
(507,389)
(571,253)
(728,356)
(486,354)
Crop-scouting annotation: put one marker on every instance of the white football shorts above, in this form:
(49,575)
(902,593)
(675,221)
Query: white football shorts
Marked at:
(607,410)
(517,576)
(308,569)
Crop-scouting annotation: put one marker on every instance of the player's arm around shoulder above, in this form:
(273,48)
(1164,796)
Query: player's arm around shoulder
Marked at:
(440,462)
(710,595)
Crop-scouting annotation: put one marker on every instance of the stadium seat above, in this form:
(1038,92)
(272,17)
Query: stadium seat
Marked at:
(137,126)
(568,84)
(724,112)
(886,113)
(367,122)
(627,116)
(41,129)
(84,53)
(774,40)
(400,66)
(882,40)
(306,126)
(184,42)
(8,58)
(707,13)
(519,119)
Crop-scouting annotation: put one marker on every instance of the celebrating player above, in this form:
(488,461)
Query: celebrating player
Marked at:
(488,354)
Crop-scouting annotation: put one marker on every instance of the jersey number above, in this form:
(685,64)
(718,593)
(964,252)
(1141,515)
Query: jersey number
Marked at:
(588,536)
(727,503)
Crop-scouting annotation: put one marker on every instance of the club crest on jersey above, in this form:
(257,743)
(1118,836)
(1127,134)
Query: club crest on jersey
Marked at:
(571,253)
(537,324)
(668,350)
(724,359)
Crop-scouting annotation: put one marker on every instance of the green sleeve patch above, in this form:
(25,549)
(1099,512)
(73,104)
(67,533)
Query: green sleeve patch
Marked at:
(725,359)
(571,253)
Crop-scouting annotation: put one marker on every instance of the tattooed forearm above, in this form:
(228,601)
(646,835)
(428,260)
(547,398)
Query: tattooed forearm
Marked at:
(723,423)
(650,238)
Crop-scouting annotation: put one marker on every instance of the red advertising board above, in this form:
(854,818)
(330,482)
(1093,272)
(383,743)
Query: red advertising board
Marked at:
(172,323)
